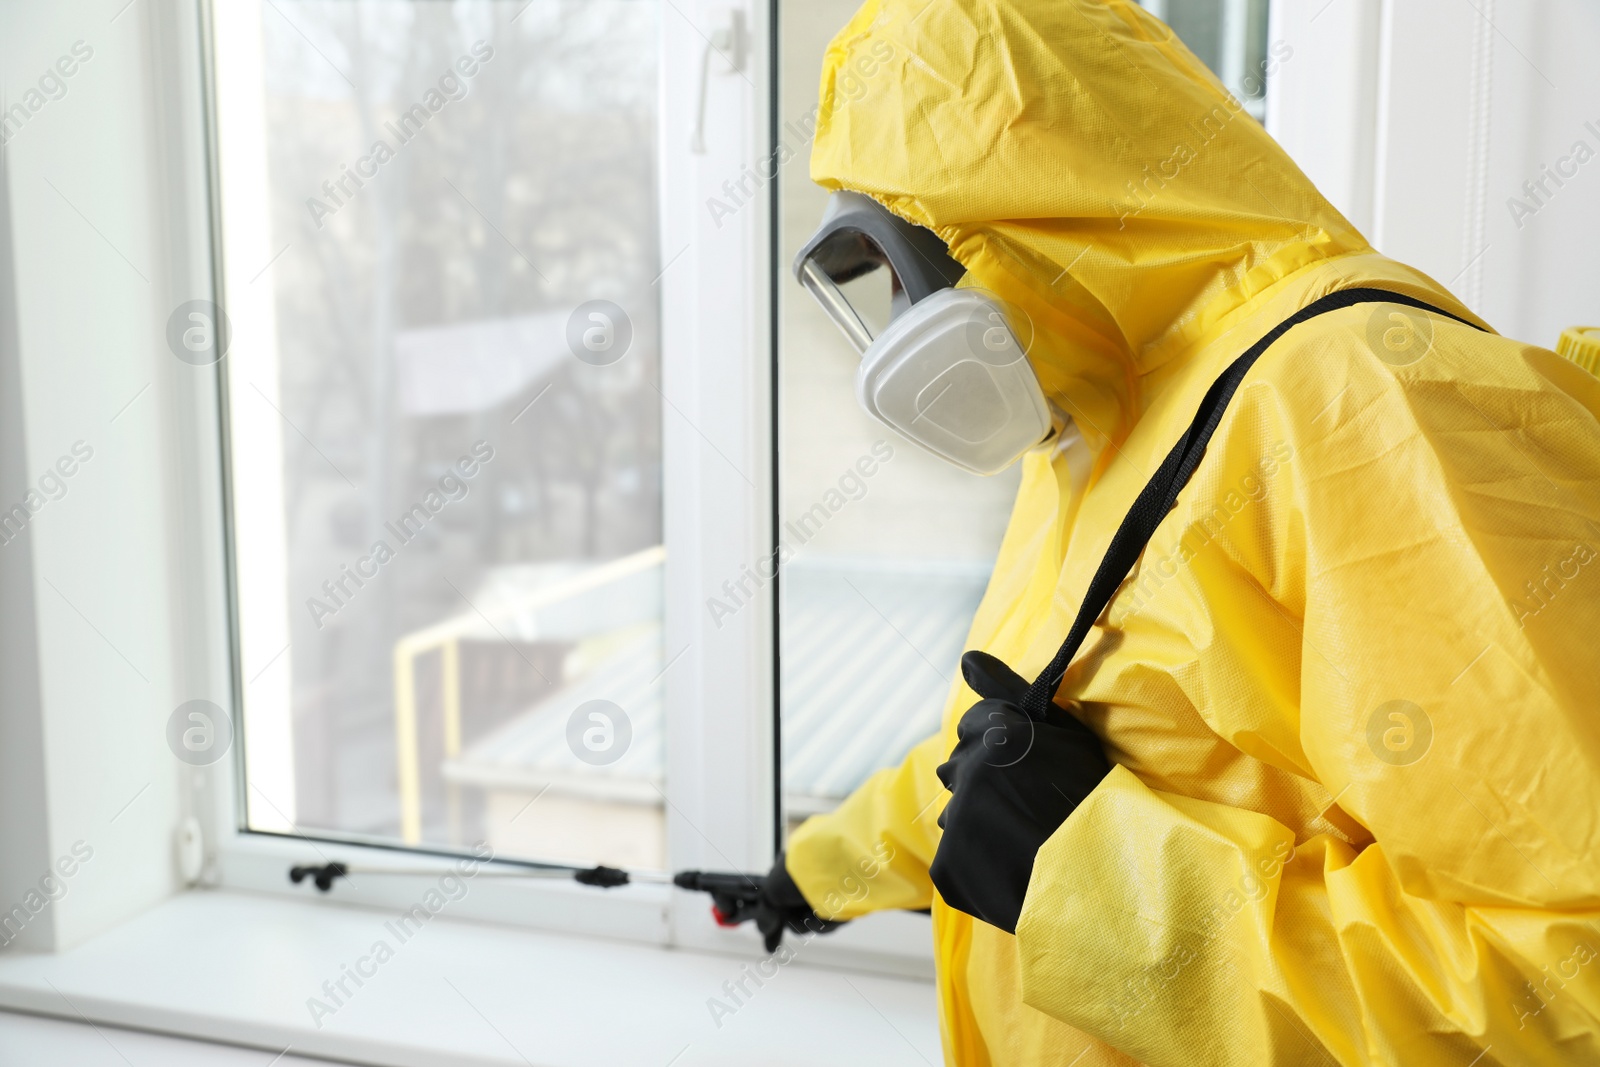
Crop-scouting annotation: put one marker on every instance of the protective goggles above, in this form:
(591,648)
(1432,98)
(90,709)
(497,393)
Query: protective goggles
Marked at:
(946,370)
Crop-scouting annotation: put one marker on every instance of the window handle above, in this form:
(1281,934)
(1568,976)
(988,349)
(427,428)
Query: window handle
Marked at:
(727,40)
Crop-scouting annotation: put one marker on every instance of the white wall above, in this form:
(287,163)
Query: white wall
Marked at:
(1422,119)
(104,198)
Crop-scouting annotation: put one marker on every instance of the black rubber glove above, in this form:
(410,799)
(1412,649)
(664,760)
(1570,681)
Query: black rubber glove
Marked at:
(1013,781)
(773,901)
(784,907)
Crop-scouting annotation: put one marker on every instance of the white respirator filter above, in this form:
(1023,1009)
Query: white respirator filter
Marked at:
(950,376)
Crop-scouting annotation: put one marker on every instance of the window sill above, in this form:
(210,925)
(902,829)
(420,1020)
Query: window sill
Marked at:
(240,968)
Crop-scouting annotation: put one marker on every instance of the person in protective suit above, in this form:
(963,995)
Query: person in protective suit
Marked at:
(1320,786)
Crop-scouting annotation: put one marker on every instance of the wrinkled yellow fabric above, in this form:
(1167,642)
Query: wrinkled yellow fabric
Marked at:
(1351,689)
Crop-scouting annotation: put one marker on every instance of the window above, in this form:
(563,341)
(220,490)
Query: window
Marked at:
(446,422)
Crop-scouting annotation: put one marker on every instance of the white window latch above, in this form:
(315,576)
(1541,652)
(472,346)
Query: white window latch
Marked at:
(727,41)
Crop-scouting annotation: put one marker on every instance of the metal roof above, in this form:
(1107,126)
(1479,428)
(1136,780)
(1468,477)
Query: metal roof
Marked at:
(868,654)
(867,658)
(530,753)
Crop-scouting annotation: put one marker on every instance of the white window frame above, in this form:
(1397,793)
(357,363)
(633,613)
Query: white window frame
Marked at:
(716,471)
(718,475)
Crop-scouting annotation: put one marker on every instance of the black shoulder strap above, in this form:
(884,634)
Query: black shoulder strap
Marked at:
(1160,494)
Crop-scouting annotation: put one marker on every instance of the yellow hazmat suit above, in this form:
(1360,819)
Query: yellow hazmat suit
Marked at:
(1351,691)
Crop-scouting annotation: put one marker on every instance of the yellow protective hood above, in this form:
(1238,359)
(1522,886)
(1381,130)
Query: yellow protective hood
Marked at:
(1025,136)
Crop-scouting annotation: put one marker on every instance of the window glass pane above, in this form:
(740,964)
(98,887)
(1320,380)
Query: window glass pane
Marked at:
(891,546)
(465,199)
(1199,24)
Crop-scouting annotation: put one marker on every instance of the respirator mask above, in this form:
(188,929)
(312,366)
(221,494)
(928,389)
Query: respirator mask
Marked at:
(946,371)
